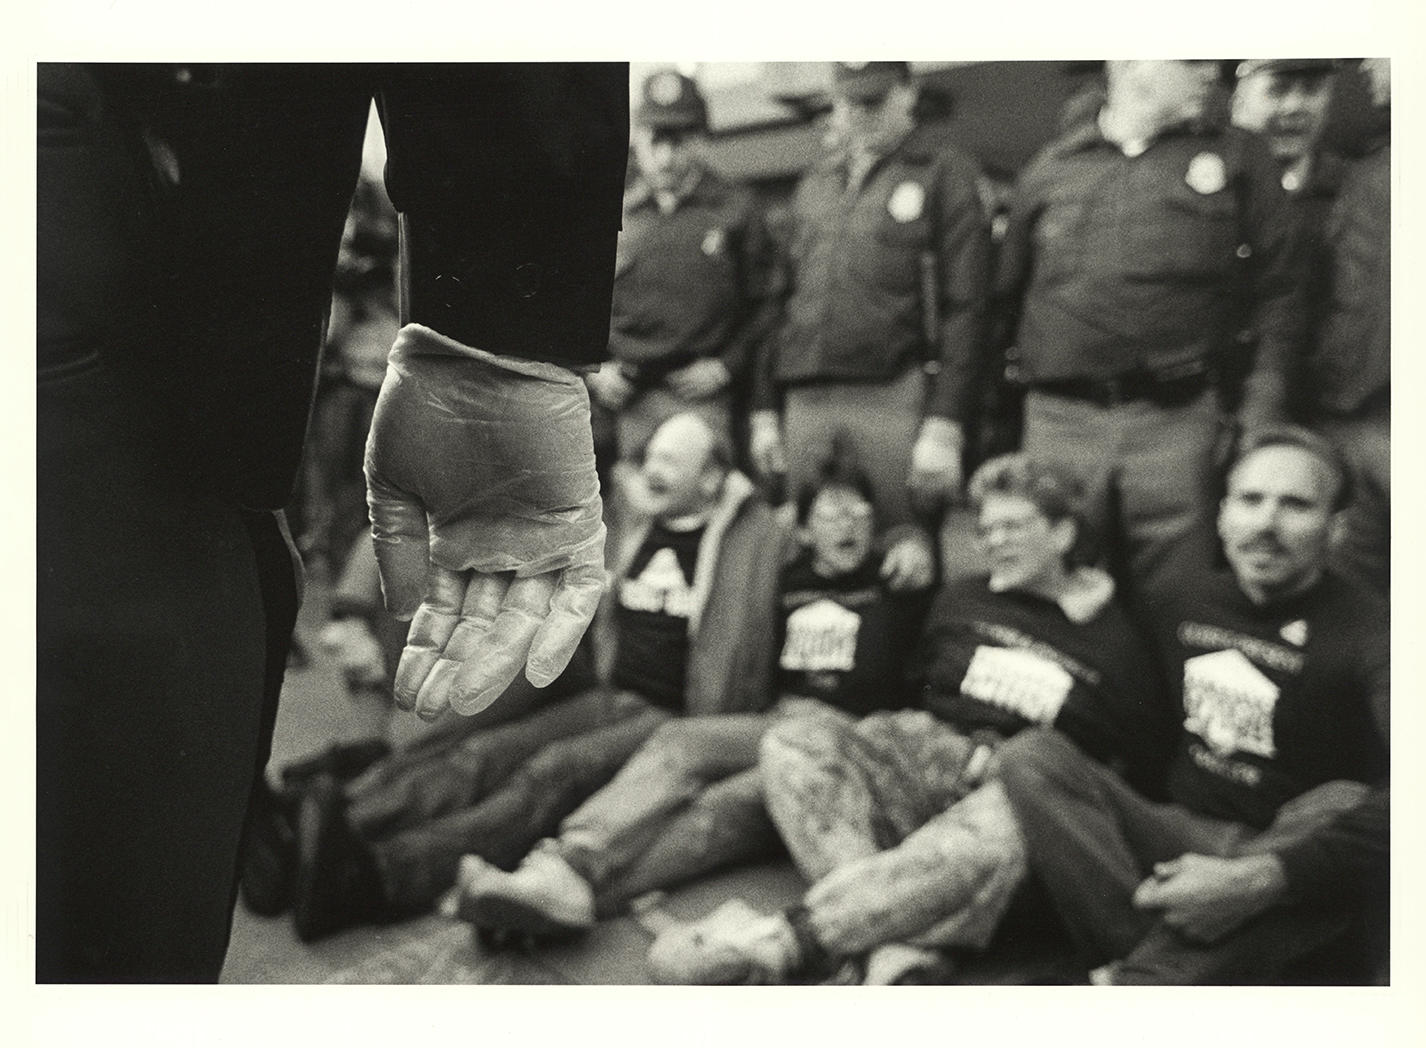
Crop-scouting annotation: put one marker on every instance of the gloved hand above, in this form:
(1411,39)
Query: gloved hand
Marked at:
(765,443)
(486,518)
(700,379)
(935,477)
(609,387)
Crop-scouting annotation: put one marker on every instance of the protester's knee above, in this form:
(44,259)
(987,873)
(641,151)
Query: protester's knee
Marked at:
(1030,766)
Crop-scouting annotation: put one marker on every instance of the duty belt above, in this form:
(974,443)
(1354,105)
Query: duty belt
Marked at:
(1128,387)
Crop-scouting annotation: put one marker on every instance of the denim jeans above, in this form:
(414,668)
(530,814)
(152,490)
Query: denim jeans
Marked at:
(689,801)
(1093,840)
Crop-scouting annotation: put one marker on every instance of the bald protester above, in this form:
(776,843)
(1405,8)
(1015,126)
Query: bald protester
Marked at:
(691,608)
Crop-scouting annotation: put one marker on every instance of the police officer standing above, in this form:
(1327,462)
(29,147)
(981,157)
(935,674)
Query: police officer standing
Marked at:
(887,270)
(1139,243)
(691,280)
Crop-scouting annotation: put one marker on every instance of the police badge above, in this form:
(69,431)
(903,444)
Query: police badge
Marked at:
(1206,173)
(907,201)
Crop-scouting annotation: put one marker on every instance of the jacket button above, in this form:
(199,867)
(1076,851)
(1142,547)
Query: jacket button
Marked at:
(526,281)
(1243,251)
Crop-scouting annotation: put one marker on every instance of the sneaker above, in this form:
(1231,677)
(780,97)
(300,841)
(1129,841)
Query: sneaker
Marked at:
(545,897)
(733,945)
(338,886)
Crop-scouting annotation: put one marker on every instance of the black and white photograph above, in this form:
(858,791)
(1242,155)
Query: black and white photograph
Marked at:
(557,517)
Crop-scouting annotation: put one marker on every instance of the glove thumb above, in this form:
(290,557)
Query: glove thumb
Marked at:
(401,538)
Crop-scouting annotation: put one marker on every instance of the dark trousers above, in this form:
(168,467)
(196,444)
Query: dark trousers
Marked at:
(494,794)
(162,631)
(1092,840)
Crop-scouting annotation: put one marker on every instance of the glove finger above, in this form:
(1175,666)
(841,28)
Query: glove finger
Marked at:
(401,539)
(482,603)
(572,607)
(503,649)
(431,627)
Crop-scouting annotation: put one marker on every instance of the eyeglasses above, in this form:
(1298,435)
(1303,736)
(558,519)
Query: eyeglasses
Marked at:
(856,511)
(1011,526)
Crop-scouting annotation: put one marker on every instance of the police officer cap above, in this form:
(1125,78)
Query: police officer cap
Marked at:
(868,81)
(672,101)
(1311,66)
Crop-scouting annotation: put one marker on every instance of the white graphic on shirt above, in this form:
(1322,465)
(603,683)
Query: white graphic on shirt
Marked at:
(1295,632)
(1228,703)
(907,201)
(713,242)
(821,637)
(1019,681)
(1206,174)
(659,587)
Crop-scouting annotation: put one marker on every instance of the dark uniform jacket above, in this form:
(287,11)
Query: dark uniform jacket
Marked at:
(1150,264)
(870,270)
(690,284)
(226,192)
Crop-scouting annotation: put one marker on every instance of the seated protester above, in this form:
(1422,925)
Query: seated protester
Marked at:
(898,821)
(1277,836)
(691,799)
(693,601)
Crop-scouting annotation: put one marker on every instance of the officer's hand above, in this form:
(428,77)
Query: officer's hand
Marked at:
(1205,897)
(700,379)
(486,519)
(765,444)
(935,477)
(909,564)
(609,387)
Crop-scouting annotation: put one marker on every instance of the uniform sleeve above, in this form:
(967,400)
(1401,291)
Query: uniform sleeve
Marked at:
(1013,262)
(963,277)
(509,178)
(1275,276)
(758,284)
(779,289)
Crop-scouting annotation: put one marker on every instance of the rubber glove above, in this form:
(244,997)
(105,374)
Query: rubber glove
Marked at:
(486,518)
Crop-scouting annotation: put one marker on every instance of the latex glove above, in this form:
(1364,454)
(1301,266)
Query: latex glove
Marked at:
(357,653)
(486,519)
(1205,897)
(909,564)
(609,387)
(765,443)
(700,379)
(935,477)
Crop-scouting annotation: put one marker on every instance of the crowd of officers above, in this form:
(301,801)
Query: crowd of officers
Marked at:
(1172,270)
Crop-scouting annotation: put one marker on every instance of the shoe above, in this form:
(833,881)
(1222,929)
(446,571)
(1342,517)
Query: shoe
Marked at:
(545,897)
(267,870)
(733,945)
(338,886)
(897,964)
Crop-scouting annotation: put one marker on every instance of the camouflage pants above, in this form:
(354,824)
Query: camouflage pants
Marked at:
(891,820)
